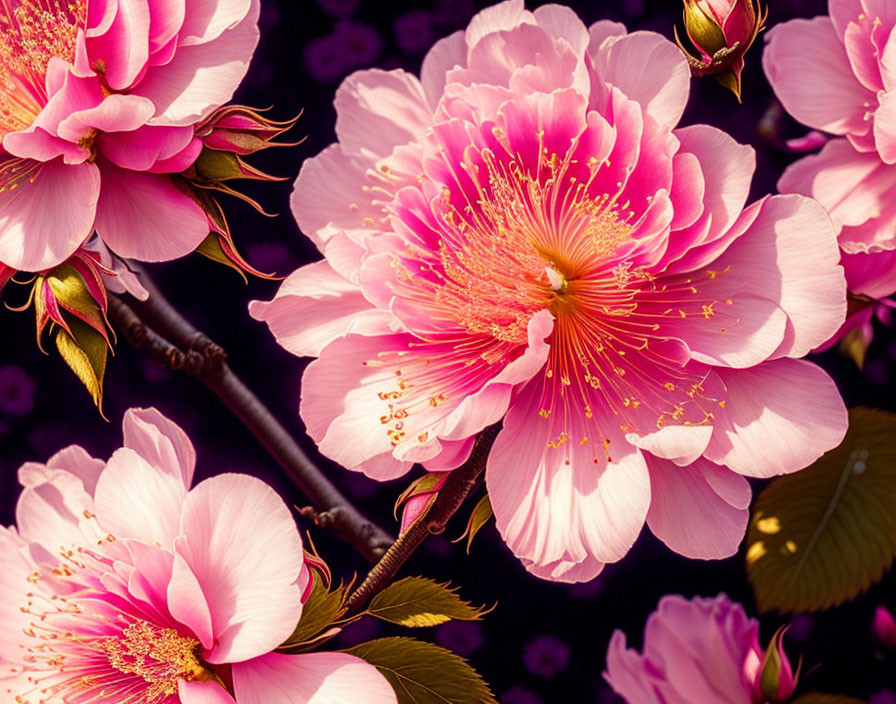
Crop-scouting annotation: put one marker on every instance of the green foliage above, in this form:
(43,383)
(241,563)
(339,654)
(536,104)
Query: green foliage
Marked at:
(321,611)
(85,351)
(481,515)
(422,673)
(416,602)
(824,535)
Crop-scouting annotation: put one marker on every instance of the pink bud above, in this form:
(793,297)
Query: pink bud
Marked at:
(883,628)
(775,680)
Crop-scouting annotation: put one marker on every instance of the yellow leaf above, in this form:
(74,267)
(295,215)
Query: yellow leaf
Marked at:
(824,535)
(416,602)
(86,355)
(481,515)
(423,673)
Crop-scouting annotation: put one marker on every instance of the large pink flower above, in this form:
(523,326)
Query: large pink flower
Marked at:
(836,73)
(697,651)
(98,99)
(523,235)
(124,586)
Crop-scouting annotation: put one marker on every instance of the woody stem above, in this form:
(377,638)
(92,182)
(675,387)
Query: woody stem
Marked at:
(155,327)
(457,487)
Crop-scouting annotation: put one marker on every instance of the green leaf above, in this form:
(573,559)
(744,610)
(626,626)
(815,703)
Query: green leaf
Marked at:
(822,698)
(86,354)
(824,535)
(481,515)
(422,673)
(416,602)
(320,612)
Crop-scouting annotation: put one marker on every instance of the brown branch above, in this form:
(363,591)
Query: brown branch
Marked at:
(155,327)
(458,486)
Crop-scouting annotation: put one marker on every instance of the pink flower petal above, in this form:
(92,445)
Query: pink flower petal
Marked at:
(689,516)
(44,221)
(314,306)
(649,69)
(136,500)
(871,274)
(565,504)
(12,596)
(779,417)
(885,128)
(682,444)
(206,20)
(380,110)
(146,217)
(446,54)
(626,675)
(810,73)
(161,443)
(143,148)
(75,460)
(789,254)
(124,48)
(187,600)
(310,678)
(51,508)
(199,692)
(201,77)
(117,113)
(247,569)
(501,17)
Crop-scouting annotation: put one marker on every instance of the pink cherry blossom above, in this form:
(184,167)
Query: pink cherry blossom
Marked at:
(122,585)
(836,73)
(695,651)
(97,106)
(522,234)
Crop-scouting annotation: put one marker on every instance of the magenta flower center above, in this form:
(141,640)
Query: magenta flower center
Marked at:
(510,236)
(92,645)
(31,33)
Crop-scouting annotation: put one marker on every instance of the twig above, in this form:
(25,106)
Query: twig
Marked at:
(155,327)
(458,486)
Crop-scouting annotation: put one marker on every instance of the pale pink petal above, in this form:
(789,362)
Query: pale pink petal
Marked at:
(206,20)
(13,621)
(445,54)
(689,516)
(601,31)
(314,306)
(146,217)
(810,73)
(201,77)
(77,461)
(649,69)
(789,254)
(682,444)
(136,500)
(502,17)
(885,127)
(562,22)
(778,418)
(144,148)
(117,113)
(187,601)
(44,221)
(51,509)
(625,673)
(247,568)
(199,692)
(380,110)
(160,442)
(310,678)
(166,20)
(565,504)
(330,195)
(124,48)
(871,274)
(854,187)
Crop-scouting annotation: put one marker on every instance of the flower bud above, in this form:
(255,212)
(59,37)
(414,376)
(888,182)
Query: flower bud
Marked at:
(883,628)
(721,31)
(774,680)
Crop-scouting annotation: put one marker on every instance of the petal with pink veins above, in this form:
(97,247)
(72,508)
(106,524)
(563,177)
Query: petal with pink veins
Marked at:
(123,49)
(779,417)
(201,77)
(247,569)
(117,113)
(44,221)
(146,217)
(161,443)
(202,692)
(136,500)
(206,20)
(565,505)
(379,110)
(688,514)
(810,73)
(447,53)
(789,255)
(310,678)
(51,509)
(314,306)
(143,148)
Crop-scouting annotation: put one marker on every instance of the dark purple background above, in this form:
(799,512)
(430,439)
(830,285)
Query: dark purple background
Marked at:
(544,642)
